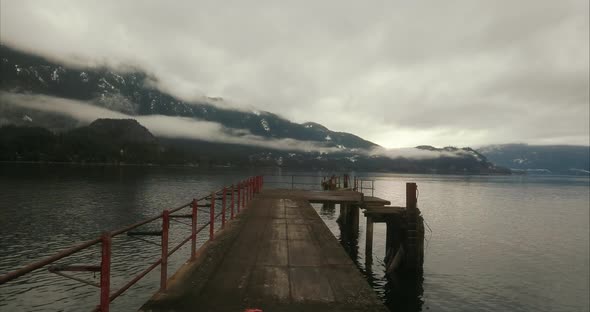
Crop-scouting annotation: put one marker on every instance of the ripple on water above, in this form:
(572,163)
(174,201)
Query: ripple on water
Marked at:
(497,243)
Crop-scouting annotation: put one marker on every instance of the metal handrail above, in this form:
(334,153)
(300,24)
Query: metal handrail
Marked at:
(355,183)
(362,187)
(244,190)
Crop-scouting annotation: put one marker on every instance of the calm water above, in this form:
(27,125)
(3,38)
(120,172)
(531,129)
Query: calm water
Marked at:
(496,243)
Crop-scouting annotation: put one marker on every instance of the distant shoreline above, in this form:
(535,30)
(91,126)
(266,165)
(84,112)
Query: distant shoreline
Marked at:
(195,166)
(96,164)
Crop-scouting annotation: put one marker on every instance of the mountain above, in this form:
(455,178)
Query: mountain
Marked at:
(550,159)
(104,141)
(132,94)
(125,141)
(456,160)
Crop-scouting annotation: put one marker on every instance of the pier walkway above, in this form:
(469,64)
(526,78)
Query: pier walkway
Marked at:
(278,255)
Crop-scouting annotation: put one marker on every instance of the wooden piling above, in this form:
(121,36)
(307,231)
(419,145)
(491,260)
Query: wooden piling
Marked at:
(414,257)
(369,241)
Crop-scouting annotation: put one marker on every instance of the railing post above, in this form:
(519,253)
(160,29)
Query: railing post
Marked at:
(164,264)
(232,202)
(243,194)
(194,229)
(212,217)
(105,273)
(246,193)
(223,207)
(239,196)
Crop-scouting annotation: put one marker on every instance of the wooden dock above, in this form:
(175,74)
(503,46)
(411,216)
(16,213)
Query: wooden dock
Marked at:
(271,250)
(278,255)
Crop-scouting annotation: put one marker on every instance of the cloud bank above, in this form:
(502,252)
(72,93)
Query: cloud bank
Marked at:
(414,153)
(189,128)
(399,73)
(159,125)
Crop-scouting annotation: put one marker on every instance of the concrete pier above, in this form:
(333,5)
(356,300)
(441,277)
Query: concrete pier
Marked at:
(278,255)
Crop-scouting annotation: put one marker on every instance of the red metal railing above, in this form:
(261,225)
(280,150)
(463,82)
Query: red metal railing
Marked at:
(245,191)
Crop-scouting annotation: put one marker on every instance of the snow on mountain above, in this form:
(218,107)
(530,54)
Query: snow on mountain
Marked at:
(84,77)
(131,92)
(264,124)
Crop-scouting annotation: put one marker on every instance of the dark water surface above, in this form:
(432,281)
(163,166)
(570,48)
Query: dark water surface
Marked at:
(518,243)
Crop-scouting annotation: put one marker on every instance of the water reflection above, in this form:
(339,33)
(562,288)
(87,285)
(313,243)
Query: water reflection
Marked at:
(498,243)
(403,292)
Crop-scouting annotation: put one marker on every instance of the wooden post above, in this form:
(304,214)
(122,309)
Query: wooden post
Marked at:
(389,232)
(412,219)
(369,241)
(411,199)
(354,211)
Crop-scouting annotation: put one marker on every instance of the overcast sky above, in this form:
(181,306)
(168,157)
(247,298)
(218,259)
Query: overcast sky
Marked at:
(399,73)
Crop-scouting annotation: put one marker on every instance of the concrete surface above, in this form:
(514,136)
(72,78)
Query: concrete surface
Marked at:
(278,255)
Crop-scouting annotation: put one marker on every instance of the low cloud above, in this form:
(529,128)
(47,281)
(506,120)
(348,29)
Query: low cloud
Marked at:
(414,153)
(399,73)
(189,128)
(78,110)
(159,125)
